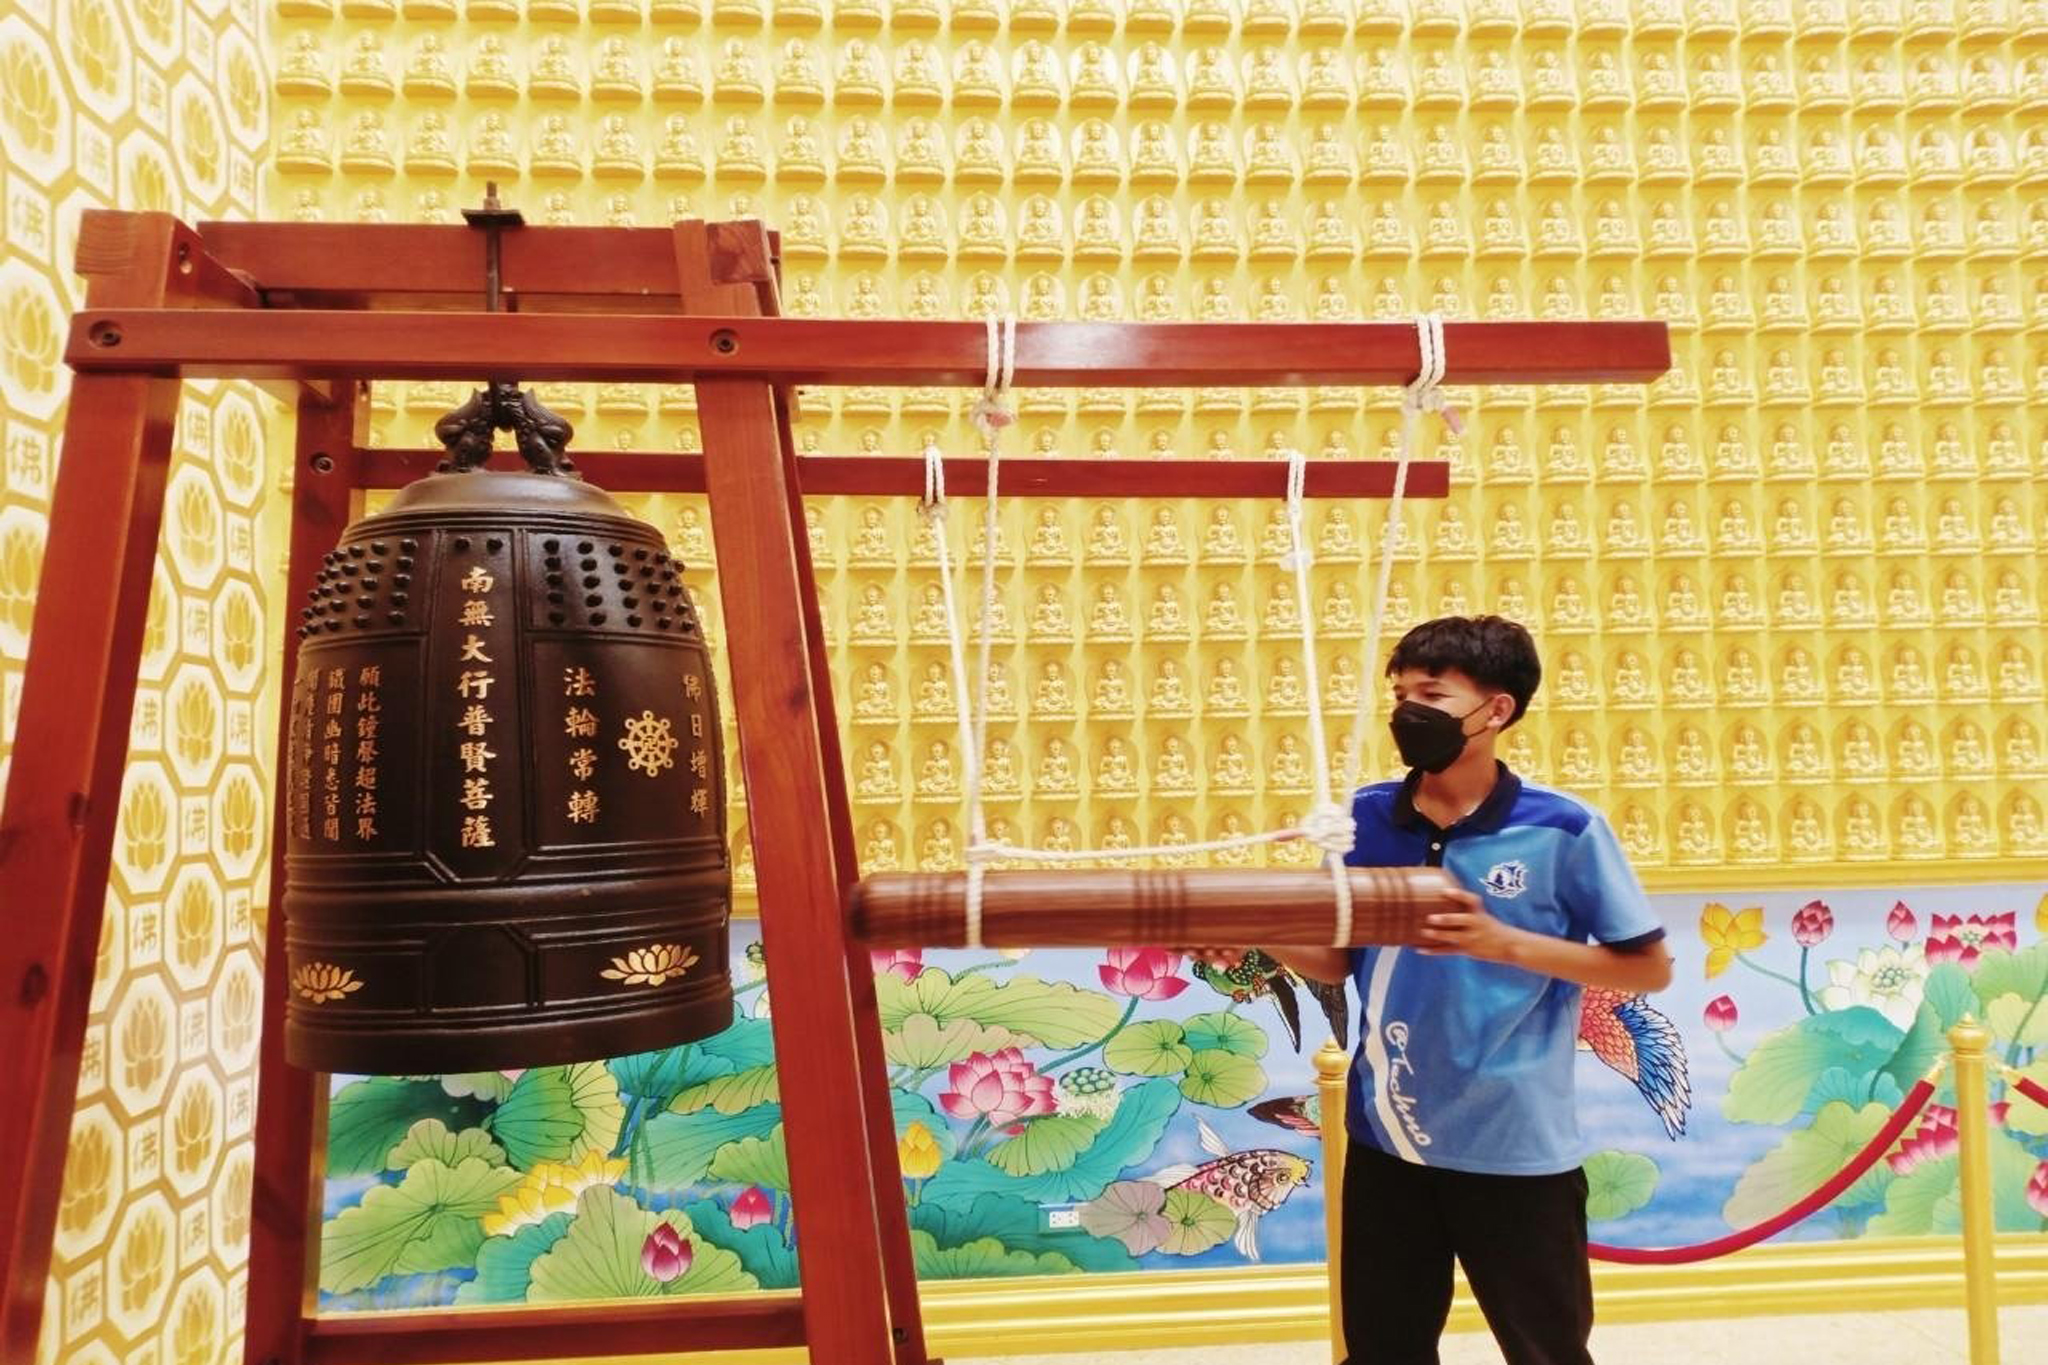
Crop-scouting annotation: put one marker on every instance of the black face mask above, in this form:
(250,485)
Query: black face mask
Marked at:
(1430,739)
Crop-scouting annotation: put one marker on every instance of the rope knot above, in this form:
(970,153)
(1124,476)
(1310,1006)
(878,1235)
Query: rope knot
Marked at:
(991,414)
(1331,828)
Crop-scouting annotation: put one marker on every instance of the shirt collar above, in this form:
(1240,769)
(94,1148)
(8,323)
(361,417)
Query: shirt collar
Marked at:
(1486,818)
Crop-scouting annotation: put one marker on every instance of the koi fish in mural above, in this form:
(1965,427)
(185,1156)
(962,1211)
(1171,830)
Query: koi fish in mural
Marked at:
(1251,1183)
(1623,1031)
(1643,1045)
(1258,974)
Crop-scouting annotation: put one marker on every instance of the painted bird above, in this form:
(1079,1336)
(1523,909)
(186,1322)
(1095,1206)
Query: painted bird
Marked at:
(1258,974)
(1251,1183)
(1621,1030)
(1643,1045)
(1296,1113)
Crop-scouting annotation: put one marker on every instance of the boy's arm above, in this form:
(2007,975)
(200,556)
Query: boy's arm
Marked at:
(1475,933)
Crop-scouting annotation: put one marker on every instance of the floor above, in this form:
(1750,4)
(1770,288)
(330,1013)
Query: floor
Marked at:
(1928,1336)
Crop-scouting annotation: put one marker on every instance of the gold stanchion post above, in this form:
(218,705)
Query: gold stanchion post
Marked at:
(1333,1068)
(1970,1042)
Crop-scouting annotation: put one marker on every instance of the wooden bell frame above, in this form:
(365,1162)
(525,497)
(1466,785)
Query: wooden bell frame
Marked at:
(313,312)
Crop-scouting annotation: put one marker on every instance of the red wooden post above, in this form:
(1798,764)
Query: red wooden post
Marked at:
(825,1124)
(736,259)
(291,1103)
(71,744)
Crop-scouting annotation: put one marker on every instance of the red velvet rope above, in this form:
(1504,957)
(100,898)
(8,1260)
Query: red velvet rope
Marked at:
(2028,1088)
(1909,1109)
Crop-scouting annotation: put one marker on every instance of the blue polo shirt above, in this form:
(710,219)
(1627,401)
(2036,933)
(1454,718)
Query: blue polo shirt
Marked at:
(1468,1064)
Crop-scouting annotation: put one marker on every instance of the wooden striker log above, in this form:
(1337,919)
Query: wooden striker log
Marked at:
(1222,907)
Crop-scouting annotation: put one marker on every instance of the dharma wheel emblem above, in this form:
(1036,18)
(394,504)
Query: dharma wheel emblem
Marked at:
(648,743)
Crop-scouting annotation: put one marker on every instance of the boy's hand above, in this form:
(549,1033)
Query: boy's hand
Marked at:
(1222,959)
(1471,931)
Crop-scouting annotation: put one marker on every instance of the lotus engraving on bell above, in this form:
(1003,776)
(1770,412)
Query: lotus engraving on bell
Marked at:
(652,965)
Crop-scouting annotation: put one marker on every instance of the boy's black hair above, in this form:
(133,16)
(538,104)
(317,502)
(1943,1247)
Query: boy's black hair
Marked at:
(1492,651)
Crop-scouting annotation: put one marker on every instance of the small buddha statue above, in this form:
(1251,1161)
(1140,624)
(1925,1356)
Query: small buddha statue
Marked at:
(1164,619)
(1048,544)
(366,147)
(303,69)
(999,779)
(1056,770)
(1280,617)
(928,618)
(1221,543)
(1340,692)
(1051,699)
(1049,623)
(935,777)
(1741,682)
(1338,617)
(1225,695)
(877,781)
(1220,617)
(429,151)
(1114,774)
(363,72)
(935,851)
(1230,774)
(1106,617)
(878,847)
(1168,695)
(1110,698)
(875,697)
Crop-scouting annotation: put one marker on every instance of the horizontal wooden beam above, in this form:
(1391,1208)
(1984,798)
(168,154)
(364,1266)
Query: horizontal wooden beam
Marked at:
(902,476)
(651,348)
(440,266)
(618,1328)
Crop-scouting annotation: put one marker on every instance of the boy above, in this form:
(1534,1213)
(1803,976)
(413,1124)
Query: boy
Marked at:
(1464,1143)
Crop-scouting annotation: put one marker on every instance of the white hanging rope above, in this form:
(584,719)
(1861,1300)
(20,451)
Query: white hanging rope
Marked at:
(1328,825)
(991,415)
(1420,395)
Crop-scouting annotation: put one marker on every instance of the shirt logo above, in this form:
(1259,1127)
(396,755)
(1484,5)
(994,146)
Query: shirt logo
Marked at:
(1398,1065)
(1507,880)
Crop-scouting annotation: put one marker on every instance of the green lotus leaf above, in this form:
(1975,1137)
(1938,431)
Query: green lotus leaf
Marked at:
(432,1220)
(1223,1080)
(1229,1032)
(1617,1184)
(557,1113)
(599,1256)
(1194,1223)
(371,1116)
(1157,1047)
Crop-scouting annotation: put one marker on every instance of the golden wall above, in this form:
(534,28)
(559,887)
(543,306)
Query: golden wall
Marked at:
(1789,598)
(151,104)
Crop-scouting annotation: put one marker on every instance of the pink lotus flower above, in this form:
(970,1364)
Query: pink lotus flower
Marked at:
(1933,1138)
(1812,923)
(1001,1088)
(2037,1190)
(1143,973)
(751,1209)
(903,962)
(1958,938)
(666,1254)
(1901,923)
(1721,1014)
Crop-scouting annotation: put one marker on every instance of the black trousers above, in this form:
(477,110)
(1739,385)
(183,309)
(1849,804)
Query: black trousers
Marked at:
(1520,1238)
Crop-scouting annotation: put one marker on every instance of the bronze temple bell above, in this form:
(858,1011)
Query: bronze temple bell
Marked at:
(506,825)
